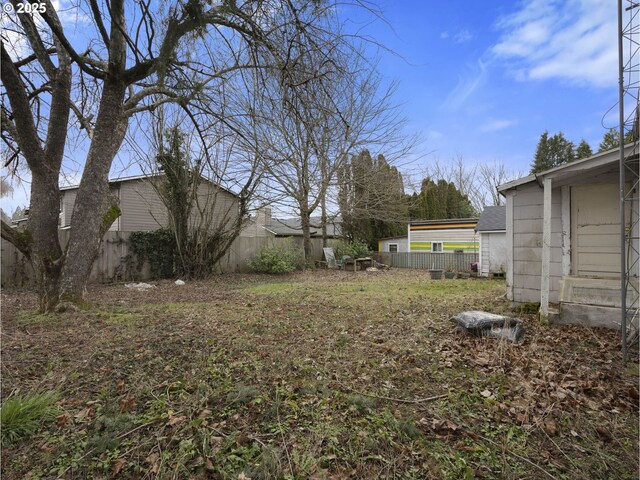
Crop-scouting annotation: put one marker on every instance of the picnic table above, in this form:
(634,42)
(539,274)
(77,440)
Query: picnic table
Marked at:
(364,263)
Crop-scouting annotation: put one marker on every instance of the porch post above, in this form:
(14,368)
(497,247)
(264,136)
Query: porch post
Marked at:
(546,249)
(509,244)
(566,231)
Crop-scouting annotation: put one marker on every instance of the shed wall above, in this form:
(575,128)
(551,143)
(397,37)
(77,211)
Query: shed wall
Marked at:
(403,244)
(493,252)
(527,243)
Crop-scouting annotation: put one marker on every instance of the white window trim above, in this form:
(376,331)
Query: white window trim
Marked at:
(397,248)
(441,247)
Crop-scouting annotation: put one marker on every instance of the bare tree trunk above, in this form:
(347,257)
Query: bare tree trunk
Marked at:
(323,219)
(42,228)
(93,196)
(305,223)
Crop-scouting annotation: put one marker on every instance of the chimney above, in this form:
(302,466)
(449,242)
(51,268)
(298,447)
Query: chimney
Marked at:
(263,216)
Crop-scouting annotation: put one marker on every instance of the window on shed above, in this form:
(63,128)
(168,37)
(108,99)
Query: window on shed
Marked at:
(436,246)
(393,247)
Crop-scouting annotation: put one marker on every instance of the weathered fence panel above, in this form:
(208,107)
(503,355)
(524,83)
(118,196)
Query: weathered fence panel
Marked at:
(432,260)
(116,262)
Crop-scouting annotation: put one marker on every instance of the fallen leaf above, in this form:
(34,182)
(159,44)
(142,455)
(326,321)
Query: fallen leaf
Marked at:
(117,466)
(127,404)
(154,463)
(486,393)
(62,419)
(550,427)
(84,413)
(176,420)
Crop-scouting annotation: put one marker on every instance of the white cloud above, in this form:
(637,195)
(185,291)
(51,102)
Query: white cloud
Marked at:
(573,40)
(459,37)
(468,83)
(496,125)
(462,36)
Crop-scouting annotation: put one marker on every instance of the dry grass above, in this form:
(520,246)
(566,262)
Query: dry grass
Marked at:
(314,375)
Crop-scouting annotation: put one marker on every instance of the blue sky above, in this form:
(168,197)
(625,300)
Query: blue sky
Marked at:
(483,80)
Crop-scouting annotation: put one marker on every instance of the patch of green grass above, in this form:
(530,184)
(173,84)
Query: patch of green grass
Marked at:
(22,416)
(122,318)
(32,317)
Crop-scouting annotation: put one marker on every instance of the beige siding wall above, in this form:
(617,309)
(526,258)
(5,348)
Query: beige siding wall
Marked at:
(527,243)
(214,206)
(595,230)
(69,200)
(142,209)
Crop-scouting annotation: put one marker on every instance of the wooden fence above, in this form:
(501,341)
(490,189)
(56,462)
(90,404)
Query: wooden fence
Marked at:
(115,260)
(458,262)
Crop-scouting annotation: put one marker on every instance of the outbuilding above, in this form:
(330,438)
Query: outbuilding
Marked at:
(393,245)
(563,240)
(492,233)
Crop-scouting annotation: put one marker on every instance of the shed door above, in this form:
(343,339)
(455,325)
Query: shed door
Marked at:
(595,230)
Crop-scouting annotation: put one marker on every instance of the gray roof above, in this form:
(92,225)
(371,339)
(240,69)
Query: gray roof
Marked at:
(291,227)
(492,219)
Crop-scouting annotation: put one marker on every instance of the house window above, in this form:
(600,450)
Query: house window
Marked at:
(393,248)
(436,246)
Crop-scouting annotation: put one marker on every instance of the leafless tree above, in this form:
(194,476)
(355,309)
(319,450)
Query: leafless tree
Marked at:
(133,57)
(308,135)
(477,181)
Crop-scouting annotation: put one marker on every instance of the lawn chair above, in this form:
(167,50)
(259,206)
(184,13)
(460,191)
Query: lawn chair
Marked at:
(341,263)
(330,258)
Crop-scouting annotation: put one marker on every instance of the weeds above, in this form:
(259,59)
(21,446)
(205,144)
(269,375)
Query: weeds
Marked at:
(317,375)
(22,416)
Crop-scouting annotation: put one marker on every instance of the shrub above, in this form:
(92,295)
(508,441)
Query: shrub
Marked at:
(278,259)
(22,416)
(354,249)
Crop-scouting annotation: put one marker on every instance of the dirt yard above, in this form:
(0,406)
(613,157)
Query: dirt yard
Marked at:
(320,375)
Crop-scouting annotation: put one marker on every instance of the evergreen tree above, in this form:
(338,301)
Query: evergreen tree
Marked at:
(371,199)
(552,152)
(583,150)
(439,200)
(611,139)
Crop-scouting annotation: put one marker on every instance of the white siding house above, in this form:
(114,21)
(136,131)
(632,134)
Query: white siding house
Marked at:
(393,245)
(492,234)
(563,241)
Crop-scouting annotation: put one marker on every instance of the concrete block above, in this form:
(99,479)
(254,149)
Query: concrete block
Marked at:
(588,316)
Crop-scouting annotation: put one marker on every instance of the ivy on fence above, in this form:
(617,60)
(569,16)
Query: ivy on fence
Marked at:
(158,248)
